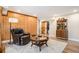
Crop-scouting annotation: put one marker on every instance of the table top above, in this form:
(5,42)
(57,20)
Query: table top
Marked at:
(39,37)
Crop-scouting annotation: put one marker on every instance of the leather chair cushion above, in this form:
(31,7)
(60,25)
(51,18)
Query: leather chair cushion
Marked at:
(18,31)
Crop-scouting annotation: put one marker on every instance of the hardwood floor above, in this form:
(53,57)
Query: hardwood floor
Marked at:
(72,47)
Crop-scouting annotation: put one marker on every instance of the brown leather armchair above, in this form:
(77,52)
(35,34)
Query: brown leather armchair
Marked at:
(20,37)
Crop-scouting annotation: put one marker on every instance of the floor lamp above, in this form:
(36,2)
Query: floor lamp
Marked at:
(12,20)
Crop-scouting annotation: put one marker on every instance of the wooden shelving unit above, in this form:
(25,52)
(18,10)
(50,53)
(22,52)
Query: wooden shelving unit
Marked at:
(62,31)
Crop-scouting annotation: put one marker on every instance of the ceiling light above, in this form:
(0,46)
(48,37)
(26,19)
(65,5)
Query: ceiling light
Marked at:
(75,10)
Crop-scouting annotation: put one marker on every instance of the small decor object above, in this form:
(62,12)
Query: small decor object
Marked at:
(61,23)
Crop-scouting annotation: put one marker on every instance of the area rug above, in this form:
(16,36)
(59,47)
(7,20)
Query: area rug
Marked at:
(54,46)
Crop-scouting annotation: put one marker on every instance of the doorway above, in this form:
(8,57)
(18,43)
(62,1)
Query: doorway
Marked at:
(45,27)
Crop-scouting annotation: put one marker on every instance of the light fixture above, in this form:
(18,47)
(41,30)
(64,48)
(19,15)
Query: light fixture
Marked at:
(75,10)
(12,20)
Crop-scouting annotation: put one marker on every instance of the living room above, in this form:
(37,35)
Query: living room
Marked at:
(58,25)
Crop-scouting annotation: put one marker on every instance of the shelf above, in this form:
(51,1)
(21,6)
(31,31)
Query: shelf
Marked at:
(62,28)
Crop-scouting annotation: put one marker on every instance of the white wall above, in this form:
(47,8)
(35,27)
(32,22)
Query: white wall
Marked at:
(52,28)
(73,27)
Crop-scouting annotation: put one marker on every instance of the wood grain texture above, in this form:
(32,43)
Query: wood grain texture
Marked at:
(32,25)
(72,47)
(27,23)
(0,25)
(44,27)
(62,30)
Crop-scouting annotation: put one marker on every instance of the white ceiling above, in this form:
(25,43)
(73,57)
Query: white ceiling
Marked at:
(44,11)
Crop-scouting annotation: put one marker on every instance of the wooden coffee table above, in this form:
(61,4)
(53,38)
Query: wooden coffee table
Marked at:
(39,41)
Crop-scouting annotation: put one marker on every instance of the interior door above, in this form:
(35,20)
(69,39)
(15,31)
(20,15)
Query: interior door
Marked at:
(44,27)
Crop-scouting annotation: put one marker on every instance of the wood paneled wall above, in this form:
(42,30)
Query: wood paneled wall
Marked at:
(0,25)
(27,23)
(6,29)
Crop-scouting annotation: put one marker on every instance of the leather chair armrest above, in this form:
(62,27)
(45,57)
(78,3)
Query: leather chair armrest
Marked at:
(23,36)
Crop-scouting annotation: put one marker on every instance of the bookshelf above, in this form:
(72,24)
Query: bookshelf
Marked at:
(62,31)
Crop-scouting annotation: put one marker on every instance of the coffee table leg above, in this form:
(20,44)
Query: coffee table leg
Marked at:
(31,44)
(46,45)
(40,48)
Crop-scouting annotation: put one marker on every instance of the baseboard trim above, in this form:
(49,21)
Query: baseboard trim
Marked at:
(57,38)
(61,38)
(6,41)
(75,40)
